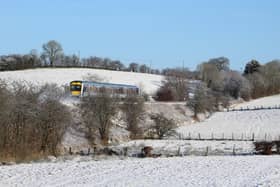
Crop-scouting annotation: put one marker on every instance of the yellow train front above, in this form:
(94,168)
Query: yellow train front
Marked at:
(76,88)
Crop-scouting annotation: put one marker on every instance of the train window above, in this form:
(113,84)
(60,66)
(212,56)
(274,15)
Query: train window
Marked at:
(75,88)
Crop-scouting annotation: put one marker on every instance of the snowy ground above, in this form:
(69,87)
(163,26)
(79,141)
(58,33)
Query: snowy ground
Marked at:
(264,124)
(177,171)
(270,101)
(260,122)
(187,147)
(62,76)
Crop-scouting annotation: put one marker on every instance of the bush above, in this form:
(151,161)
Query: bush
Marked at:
(162,126)
(30,128)
(97,112)
(133,108)
(165,94)
(202,101)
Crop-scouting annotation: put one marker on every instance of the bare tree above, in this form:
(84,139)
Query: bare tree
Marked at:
(97,113)
(175,86)
(133,108)
(271,73)
(26,121)
(52,51)
(53,118)
(134,67)
(212,71)
(144,68)
(202,101)
(5,110)
(233,84)
(162,125)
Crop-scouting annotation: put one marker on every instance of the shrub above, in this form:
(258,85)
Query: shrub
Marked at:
(162,125)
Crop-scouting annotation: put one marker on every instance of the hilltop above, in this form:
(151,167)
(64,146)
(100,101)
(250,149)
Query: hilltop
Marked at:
(149,83)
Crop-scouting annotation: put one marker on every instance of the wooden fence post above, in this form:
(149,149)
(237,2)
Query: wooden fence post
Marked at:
(206,153)
(179,151)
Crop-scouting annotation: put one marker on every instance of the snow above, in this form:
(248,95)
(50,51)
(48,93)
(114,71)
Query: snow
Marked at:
(176,171)
(187,147)
(270,101)
(260,122)
(62,76)
(264,124)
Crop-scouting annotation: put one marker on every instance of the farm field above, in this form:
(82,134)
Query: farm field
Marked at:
(261,124)
(176,171)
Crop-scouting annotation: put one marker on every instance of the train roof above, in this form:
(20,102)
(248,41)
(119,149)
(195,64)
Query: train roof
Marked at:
(101,84)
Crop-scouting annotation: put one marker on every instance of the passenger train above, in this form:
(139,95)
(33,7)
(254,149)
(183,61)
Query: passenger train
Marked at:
(85,88)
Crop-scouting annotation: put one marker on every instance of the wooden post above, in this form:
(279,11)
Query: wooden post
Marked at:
(70,151)
(179,150)
(253,136)
(199,136)
(88,151)
(206,153)
(233,150)
(212,135)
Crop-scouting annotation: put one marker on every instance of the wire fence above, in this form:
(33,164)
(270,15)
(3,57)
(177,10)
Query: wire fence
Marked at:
(276,107)
(228,137)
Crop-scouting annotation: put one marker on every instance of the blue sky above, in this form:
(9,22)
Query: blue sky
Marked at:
(165,33)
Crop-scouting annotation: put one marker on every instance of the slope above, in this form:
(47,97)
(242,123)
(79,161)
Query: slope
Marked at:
(264,124)
(62,76)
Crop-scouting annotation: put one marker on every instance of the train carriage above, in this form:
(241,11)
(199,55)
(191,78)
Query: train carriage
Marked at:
(85,88)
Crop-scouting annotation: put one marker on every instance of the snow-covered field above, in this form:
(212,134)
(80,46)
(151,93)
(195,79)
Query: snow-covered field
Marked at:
(264,124)
(187,147)
(62,76)
(265,102)
(260,122)
(176,171)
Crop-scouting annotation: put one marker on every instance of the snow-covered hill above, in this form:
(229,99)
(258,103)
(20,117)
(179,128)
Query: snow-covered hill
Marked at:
(263,123)
(62,76)
(265,102)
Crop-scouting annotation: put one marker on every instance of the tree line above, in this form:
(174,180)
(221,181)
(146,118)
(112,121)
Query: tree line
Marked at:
(213,84)
(53,56)
(32,121)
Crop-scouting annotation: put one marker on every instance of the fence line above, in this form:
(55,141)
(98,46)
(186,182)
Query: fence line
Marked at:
(276,107)
(227,137)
